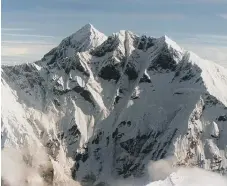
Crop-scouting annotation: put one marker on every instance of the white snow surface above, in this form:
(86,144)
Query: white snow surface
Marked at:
(191,177)
(104,107)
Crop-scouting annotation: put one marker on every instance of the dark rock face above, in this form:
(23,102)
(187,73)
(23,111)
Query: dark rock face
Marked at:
(60,52)
(56,103)
(133,146)
(188,76)
(68,64)
(145,42)
(82,69)
(129,168)
(145,79)
(87,96)
(131,72)
(134,150)
(71,137)
(53,59)
(116,134)
(97,138)
(125,123)
(150,42)
(74,63)
(108,46)
(61,135)
(117,98)
(211,100)
(165,60)
(222,118)
(50,53)
(74,131)
(59,92)
(26,77)
(110,72)
(186,71)
(80,90)
(82,156)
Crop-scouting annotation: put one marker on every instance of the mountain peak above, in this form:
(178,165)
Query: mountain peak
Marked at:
(171,43)
(88,28)
(87,31)
(85,38)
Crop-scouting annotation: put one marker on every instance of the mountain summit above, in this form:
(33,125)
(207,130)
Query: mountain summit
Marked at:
(84,39)
(88,37)
(101,107)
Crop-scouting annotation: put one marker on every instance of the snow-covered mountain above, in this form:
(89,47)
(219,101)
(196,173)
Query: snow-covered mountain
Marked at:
(104,107)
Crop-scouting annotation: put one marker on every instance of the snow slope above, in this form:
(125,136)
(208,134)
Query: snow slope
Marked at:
(105,106)
(191,177)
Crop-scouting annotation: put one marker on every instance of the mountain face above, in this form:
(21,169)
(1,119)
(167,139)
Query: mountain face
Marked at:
(103,107)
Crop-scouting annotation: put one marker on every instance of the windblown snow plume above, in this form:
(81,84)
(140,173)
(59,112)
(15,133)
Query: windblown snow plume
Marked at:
(21,168)
(165,172)
(161,169)
(32,167)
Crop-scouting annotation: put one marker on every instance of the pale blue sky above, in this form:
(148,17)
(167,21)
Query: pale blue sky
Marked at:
(32,27)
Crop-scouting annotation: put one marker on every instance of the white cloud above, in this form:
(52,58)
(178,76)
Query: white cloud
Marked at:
(26,35)
(15,42)
(15,52)
(202,1)
(49,13)
(224,16)
(208,46)
(208,39)
(9,51)
(16,29)
(217,54)
(175,1)
(160,16)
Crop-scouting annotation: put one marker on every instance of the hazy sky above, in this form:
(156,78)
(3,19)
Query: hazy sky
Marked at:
(30,28)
